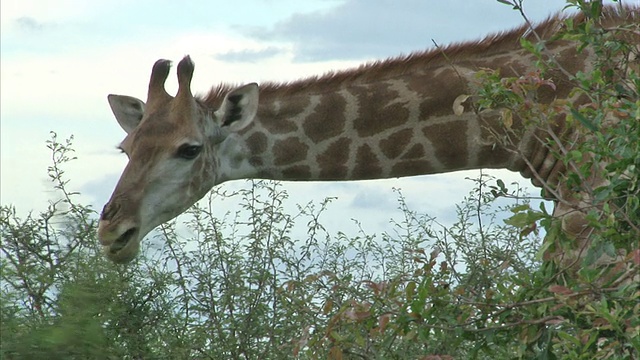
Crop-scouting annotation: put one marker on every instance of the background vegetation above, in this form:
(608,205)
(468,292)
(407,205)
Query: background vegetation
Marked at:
(247,286)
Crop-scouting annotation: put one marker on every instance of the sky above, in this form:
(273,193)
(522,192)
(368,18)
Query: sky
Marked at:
(59,63)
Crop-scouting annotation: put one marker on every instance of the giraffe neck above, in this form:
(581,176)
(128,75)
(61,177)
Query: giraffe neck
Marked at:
(389,119)
(373,130)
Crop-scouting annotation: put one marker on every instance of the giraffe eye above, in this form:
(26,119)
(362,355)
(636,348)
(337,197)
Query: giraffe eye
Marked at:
(189,152)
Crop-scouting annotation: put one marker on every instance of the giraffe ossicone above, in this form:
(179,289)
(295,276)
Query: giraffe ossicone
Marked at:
(400,117)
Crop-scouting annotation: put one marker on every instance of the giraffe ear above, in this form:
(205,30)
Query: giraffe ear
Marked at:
(239,107)
(127,110)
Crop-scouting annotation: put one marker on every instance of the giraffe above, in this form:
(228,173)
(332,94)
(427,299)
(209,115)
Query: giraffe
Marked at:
(393,118)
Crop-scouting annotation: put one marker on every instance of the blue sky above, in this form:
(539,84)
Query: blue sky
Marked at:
(59,63)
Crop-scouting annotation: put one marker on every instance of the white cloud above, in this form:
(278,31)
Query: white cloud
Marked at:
(43,11)
(359,29)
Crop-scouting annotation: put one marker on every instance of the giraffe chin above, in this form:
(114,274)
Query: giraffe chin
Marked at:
(124,249)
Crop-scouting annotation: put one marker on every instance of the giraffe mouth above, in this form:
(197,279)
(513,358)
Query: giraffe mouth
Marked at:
(122,241)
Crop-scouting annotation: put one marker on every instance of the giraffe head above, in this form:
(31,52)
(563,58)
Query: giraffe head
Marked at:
(178,149)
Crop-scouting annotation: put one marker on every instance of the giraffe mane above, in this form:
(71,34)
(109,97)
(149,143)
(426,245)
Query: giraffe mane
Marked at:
(432,57)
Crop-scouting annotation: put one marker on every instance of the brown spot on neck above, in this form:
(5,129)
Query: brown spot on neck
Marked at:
(378,109)
(327,120)
(289,151)
(395,144)
(450,142)
(367,164)
(333,161)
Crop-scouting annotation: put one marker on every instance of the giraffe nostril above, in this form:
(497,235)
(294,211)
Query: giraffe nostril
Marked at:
(103,215)
(108,211)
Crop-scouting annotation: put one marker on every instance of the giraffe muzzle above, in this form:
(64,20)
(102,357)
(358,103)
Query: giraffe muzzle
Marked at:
(122,241)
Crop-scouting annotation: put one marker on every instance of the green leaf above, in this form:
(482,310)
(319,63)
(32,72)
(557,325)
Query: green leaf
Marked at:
(410,290)
(520,208)
(584,121)
(570,338)
(501,185)
(575,155)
